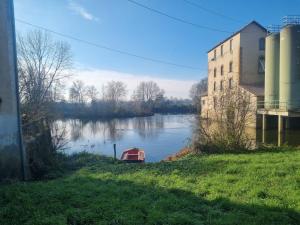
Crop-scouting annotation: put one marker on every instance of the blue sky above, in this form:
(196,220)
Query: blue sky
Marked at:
(122,25)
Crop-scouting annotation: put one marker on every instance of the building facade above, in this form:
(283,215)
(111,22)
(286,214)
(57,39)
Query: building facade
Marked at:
(238,61)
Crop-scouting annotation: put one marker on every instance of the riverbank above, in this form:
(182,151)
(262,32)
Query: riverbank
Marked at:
(251,188)
(87,117)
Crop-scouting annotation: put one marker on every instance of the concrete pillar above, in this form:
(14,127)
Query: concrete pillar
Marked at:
(280,124)
(264,121)
(280,139)
(12,155)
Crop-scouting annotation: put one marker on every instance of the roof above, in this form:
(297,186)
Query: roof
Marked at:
(256,90)
(239,31)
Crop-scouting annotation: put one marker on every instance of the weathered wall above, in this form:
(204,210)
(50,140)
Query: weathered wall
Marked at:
(223,60)
(215,63)
(250,55)
(11,156)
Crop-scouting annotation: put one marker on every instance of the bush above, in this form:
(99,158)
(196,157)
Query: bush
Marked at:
(225,129)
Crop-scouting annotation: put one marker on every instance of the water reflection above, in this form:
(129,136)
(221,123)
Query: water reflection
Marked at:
(76,129)
(287,137)
(113,130)
(148,127)
(159,135)
(273,137)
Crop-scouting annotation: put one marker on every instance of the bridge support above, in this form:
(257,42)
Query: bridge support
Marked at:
(12,154)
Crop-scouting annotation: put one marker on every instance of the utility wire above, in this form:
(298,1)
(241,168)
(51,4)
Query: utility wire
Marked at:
(212,11)
(109,48)
(178,19)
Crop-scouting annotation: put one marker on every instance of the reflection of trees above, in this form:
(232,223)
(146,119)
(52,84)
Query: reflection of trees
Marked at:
(148,127)
(76,129)
(95,127)
(113,130)
(109,130)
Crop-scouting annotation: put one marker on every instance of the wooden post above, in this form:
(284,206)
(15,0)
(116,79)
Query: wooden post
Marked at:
(115,152)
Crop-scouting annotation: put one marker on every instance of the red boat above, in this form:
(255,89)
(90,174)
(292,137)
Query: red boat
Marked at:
(133,155)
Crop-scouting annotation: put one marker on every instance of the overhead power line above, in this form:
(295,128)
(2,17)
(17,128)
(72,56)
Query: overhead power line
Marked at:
(178,19)
(155,60)
(212,11)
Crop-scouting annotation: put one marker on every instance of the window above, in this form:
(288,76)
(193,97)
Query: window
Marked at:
(230,47)
(221,85)
(215,72)
(261,64)
(215,86)
(222,70)
(203,102)
(230,83)
(230,67)
(221,50)
(262,44)
(215,54)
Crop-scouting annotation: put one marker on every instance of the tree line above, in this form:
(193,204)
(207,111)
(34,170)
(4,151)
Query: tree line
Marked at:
(111,101)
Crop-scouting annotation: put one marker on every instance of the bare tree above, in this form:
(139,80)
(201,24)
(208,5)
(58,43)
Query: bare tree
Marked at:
(92,93)
(148,92)
(77,92)
(114,92)
(147,95)
(43,64)
(196,91)
(225,130)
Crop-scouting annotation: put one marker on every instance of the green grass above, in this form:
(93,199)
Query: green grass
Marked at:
(260,188)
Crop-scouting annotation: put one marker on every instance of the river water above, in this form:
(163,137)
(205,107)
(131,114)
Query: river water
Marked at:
(159,135)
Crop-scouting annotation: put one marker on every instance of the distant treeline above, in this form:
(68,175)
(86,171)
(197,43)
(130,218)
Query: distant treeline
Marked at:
(106,109)
(112,101)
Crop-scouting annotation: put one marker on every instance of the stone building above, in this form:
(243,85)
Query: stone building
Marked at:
(237,61)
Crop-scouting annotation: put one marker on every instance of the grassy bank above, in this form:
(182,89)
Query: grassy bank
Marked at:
(257,188)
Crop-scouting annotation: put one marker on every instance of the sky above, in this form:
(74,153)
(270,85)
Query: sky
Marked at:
(123,25)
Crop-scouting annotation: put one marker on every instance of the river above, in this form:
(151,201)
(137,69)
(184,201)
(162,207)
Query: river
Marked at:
(159,135)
